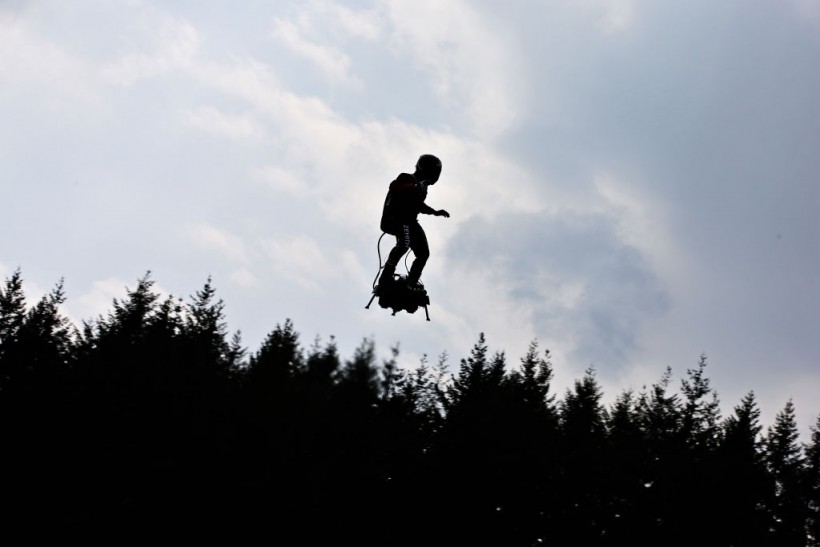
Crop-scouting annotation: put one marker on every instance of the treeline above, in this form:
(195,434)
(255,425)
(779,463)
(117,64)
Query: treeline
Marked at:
(154,419)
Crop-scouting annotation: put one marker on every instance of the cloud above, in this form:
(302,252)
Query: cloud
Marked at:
(97,301)
(467,60)
(231,126)
(299,259)
(209,237)
(280,179)
(364,24)
(319,33)
(570,273)
(175,43)
(332,62)
(31,64)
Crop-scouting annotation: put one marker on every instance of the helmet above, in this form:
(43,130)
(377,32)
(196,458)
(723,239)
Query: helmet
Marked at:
(428,167)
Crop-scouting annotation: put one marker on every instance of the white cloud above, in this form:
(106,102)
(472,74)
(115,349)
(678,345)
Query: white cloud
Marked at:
(244,278)
(231,126)
(175,42)
(333,62)
(280,179)
(472,298)
(32,64)
(364,24)
(233,252)
(319,32)
(208,237)
(469,61)
(97,301)
(639,219)
(299,259)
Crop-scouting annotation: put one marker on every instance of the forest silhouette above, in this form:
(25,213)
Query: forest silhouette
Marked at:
(154,419)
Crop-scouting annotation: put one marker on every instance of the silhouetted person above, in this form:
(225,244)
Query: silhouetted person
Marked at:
(404,202)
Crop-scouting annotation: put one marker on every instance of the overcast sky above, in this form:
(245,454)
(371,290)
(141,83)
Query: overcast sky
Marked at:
(631,184)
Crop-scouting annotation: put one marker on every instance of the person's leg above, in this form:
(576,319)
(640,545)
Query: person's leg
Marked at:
(418,244)
(399,250)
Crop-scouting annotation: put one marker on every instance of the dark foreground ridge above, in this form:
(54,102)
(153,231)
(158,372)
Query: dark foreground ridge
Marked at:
(153,422)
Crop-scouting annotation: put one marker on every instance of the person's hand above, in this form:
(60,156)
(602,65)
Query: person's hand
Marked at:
(442,213)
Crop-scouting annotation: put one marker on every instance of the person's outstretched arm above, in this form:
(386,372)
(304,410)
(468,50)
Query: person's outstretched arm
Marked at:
(427,210)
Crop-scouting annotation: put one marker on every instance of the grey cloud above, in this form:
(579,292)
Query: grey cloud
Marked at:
(710,111)
(583,281)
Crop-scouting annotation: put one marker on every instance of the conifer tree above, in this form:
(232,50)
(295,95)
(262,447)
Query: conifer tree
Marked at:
(584,445)
(700,412)
(12,316)
(415,395)
(532,406)
(206,331)
(530,387)
(411,419)
(37,347)
(473,443)
(812,484)
(316,442)
(695,472)
(627,478)
(785,462)
(742,480)
(658,412)
(36,394)
(43,348)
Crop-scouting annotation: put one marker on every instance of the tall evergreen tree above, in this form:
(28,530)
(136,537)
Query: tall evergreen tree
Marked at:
(36,393)
(36,344)
(411,420)
(473,443)
(700,413)
(584,446)
(626,478)
(743,487)
(812,484)
(695,470)
(12,316)
(206,331)
(658,412)
(785,462)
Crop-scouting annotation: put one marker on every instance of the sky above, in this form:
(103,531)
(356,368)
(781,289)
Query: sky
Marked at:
(632,184)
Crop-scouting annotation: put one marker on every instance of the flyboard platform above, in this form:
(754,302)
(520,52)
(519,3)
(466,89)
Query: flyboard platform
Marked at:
(398,296)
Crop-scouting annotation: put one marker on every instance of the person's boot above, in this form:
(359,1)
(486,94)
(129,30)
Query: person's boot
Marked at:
(385,279)
(413,284)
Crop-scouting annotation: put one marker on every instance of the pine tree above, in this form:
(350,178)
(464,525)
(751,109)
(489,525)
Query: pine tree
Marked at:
(812,484)
(473,442)
(39,349)
(696,477)
(743,487)
(626,480)
(36,393)
(584,445)
(785,462)
(531,386)
(700,412)
(658,412)
(12,319)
